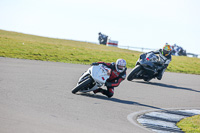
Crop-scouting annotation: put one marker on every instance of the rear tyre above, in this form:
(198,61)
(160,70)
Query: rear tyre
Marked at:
(82,85)
(133,73)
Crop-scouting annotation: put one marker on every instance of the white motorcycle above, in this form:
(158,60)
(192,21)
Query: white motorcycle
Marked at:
(92,79)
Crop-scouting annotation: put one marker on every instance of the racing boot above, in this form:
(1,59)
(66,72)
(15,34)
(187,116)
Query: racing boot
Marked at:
(160,74)
(159,77)
(98,90)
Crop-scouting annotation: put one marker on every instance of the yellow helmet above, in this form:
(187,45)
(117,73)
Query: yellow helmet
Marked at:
(166,49)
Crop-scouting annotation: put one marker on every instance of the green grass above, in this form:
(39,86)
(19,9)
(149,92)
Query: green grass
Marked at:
(190,124)
(18,45)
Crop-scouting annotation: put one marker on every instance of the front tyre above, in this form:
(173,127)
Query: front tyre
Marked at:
(133,73)
(82,85)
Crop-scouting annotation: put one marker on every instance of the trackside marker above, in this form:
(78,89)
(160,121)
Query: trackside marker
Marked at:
(163,121)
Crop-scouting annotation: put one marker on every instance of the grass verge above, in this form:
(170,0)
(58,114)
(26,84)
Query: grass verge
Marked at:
(190,124)
(23,46)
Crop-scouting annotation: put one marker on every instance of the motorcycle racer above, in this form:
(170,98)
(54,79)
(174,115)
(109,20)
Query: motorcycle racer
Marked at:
(117,75)
(165,58)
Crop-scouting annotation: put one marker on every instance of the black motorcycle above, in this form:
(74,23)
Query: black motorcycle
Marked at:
(146,67)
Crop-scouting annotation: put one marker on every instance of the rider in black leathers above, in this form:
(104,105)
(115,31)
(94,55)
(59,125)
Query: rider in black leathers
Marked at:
(165,58)
(102,38)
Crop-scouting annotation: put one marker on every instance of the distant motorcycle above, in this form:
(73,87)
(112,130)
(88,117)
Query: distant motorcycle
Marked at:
(103,39)
(92,79)
(146,68)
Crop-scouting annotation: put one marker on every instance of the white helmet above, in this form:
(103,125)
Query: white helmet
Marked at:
(120,65)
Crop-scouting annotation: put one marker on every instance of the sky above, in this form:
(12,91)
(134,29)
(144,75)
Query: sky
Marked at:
(134,23)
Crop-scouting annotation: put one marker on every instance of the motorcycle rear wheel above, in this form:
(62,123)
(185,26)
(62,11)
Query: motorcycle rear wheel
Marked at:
(81,85)
(133,73)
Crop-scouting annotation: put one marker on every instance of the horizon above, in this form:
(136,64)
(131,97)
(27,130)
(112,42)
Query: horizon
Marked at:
(139,49)
(147,24)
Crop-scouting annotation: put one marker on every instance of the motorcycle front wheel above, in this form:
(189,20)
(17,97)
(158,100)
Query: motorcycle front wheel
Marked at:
(133,73)
(85,83)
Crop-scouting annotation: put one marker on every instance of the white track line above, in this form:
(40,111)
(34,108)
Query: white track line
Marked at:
(166,118)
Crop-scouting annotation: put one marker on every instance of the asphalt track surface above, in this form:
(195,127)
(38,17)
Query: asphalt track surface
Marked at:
(35,97)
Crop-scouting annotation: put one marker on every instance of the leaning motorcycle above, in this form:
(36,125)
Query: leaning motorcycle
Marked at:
(146,67)
(92,79)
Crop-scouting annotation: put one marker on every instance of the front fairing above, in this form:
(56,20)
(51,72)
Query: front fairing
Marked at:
(99,73)
(148,65)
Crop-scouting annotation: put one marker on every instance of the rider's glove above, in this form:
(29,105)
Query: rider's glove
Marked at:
(93,64)
(165,66)
(108,84)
